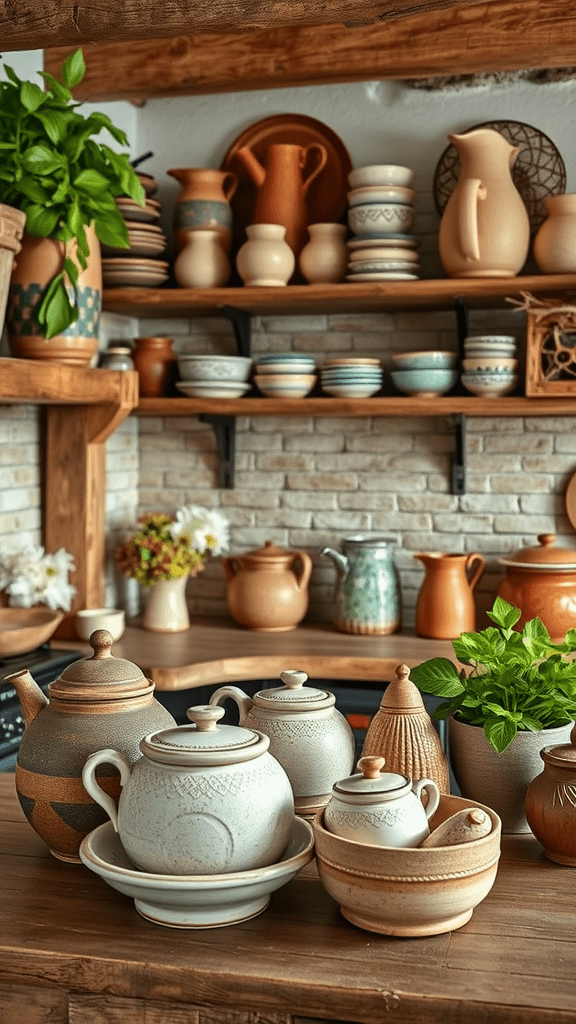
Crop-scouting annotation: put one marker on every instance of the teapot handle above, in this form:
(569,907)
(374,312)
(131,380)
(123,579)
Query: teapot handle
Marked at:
(319,166)
(303,578)
(479,570)
(429,787)
(92,787)
(237,695)
(230,566)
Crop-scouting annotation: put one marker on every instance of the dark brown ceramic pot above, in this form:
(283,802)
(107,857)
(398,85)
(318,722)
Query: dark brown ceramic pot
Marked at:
(550,803)
(541,582)
(156,365)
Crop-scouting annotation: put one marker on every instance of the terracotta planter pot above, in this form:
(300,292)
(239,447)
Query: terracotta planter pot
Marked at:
(499,780)
(38,262)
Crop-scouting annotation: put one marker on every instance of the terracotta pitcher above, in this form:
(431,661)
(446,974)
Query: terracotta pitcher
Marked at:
(282,186)
(203,202)
(485,228)
(445,606)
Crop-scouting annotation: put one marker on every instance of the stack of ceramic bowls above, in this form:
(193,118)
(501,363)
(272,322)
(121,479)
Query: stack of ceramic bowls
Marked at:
(380,215)
(351,377)
(285,374)
(209,376)
(424,374)
(490,365)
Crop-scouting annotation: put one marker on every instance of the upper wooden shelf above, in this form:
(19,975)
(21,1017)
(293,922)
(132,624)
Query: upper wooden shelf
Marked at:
(486,293)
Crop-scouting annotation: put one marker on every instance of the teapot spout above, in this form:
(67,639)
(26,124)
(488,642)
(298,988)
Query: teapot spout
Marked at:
(32,700)
(340,561)
(252,165)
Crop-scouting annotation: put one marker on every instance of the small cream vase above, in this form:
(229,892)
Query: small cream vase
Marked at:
(324,259)
(266,259)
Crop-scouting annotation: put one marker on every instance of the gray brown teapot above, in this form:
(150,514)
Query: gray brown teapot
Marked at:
(97,702)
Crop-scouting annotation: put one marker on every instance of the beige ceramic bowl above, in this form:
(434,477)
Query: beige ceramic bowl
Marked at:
(89,619)
(480,363)
(381,194)
(380,174)
(412,892)
(289,385)
(387,218)
(23,629)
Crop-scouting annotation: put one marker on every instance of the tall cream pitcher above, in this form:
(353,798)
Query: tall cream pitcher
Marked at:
(485,228)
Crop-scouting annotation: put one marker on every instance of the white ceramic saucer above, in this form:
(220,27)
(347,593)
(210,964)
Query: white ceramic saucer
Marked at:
(195,901)
(395,275)
(212,389)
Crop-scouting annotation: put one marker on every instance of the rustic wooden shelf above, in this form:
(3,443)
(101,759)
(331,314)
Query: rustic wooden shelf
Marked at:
(374,297)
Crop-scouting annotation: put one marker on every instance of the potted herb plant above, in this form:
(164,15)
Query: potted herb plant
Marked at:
(54,171)
(518,695)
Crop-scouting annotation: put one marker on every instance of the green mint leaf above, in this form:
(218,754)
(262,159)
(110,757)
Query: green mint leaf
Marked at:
(500,732)
(504,614)
(41,221)
(73,69)
(55,312)
(439,676)
(41,161)
(31,96)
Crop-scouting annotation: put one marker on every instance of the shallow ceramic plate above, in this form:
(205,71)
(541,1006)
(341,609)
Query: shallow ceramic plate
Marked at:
(195,901)
(379,266)
(133,278)
(395,275)
(201,389)
(144,248)
(381,252)
(387,238)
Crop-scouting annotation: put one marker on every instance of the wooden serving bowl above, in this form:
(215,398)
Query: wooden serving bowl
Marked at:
(23,629)
(407,891)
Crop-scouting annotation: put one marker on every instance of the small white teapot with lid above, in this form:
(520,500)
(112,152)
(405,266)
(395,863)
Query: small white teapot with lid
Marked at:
(381,808)
(310,737)
(202,799)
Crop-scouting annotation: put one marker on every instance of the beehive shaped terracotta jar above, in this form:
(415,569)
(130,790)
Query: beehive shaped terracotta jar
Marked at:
(402,732)
(550,803)
(268,588)
(97,702)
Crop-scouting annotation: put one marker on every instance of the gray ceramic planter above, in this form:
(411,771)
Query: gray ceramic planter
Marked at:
(499,780)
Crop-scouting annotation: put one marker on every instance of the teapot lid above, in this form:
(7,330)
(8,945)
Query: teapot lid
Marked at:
(294,696)
(204,742)
(269,553)
(101,676)
(371,783)
(544,556)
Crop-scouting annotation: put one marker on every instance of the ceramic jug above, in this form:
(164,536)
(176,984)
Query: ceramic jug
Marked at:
(381,808)
(156,364)
(554,244)
(268,588)
(550,802)
(310,738)
(485,228)
(202,262)
(368,598)
(202,799)
(445,606)
(203,202)
(97,702)
(282,186)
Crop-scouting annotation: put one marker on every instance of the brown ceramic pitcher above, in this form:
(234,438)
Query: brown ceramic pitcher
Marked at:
(445,606)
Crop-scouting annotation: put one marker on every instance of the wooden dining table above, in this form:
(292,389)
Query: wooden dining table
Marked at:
(75,951)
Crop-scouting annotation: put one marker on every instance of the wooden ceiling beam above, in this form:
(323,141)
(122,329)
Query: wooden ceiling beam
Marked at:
(470,39)
(39,24)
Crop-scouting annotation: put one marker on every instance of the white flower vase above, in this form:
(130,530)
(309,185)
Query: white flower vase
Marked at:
(166,609)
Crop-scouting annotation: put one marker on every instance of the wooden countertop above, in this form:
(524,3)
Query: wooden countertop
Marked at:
(74,951)
(216,650)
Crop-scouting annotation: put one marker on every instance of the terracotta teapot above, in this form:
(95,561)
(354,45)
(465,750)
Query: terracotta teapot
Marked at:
(541,582)
(445,605)
(268,588)
(310,738)
(485,227)
(97,702)
(202,799)
(381,808)
(550,804)
(282,186)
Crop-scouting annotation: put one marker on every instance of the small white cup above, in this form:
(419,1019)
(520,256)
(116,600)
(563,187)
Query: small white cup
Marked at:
(89,619)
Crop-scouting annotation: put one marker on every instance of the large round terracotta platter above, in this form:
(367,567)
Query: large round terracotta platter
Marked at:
(570,500)
(327,197)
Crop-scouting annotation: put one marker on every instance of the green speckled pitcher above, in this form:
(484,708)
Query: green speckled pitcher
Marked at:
(368,598)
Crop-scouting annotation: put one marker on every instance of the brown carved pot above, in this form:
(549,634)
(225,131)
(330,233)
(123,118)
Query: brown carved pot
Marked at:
(96,703)
(268,589)
(38,262)
(550,803)
(541,582)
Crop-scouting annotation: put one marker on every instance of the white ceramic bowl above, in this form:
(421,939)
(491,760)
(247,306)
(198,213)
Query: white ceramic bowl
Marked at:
(381,194)
(380,174)
(195,901)
(407,891)
(89,619)
(491,384)
(290,385)
(482,364)
(293,366)
(215,368)
(424,383)
(375,252)
(212,388)
(433,360)
(381,217)
(352,389)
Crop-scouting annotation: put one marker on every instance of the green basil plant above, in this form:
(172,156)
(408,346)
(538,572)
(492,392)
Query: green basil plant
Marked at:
(519,680)
(53,170)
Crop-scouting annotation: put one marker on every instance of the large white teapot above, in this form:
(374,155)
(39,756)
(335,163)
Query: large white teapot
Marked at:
(310,737)
(203,798)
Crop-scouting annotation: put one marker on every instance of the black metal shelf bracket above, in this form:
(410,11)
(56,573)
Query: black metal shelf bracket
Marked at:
(459,458)
(224,428)
(241,322)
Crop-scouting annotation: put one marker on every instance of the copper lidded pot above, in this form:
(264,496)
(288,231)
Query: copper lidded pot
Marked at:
(541,582)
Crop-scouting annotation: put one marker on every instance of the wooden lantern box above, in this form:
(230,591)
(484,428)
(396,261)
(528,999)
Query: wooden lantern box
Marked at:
(551,351)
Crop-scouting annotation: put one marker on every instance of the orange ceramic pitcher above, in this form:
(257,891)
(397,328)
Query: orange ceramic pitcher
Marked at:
(445,606)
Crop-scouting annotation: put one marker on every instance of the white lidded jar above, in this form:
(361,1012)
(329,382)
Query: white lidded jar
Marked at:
(203,798)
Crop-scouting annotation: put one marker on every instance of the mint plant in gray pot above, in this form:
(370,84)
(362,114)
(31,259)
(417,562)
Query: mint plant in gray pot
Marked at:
(517,695)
